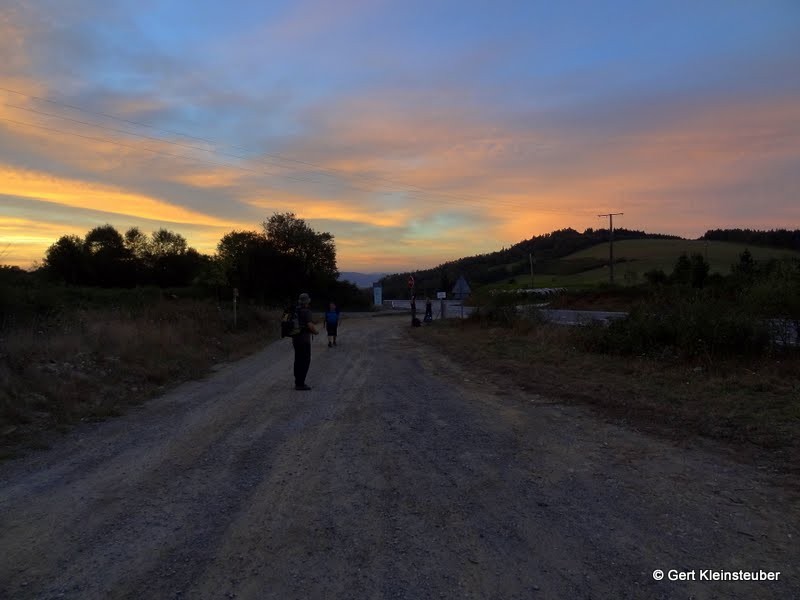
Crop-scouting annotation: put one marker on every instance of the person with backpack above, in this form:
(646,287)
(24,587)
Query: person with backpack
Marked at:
(302,342)
(332,323)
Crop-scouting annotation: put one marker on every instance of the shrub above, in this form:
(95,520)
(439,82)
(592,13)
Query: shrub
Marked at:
(699,325)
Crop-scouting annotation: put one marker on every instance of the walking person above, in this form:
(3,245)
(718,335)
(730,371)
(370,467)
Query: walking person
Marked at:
(332,323)
(302,342)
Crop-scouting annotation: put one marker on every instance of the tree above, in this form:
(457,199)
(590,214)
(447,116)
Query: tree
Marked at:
(173,263)
(682,271)
(254,266)
(67,261)
(315,251)
(137,243)
(746,266)
(699,270)
(167,243)
(109,260)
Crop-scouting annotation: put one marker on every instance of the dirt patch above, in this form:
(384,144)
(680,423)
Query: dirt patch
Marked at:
(753,408)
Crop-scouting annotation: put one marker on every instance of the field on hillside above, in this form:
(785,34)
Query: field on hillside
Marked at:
(633,258)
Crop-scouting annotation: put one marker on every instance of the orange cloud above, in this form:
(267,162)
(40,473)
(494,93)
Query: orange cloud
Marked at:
(93,196)
(24,241)
(310,208)
(211,178)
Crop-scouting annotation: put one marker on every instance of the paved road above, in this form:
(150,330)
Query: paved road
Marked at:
(399,476)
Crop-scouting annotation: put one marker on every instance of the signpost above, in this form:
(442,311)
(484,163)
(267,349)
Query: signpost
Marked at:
(235,299)
(377,294)
(413,298)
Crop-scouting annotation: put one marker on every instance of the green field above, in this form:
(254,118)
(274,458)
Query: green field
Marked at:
(639,256)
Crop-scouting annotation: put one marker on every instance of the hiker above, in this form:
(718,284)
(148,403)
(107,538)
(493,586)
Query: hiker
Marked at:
(332,323)
(302,342)
(428,310)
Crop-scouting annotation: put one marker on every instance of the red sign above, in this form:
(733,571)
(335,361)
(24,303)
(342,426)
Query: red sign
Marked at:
(411,281)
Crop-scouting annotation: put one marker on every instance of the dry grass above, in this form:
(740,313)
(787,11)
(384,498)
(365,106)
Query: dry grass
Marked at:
(91,364)
(745,404)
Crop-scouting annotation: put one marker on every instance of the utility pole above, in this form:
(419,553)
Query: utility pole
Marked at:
(611,244)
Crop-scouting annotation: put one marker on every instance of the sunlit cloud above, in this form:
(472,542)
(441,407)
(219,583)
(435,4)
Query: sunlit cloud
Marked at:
(212,178)
(69,192)
(22,240)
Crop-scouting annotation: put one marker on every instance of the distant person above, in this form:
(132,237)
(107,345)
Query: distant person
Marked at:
(302,342)
(332,323)
(428,311)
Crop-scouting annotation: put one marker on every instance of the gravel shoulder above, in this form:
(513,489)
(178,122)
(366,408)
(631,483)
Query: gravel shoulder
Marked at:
(401,475)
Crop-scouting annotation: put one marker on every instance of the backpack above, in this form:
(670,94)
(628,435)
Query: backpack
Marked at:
(290,325)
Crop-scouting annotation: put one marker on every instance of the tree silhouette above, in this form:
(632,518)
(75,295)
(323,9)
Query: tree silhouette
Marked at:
(67,261)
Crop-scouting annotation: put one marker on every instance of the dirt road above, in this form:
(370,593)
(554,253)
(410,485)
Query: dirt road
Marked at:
(398,476)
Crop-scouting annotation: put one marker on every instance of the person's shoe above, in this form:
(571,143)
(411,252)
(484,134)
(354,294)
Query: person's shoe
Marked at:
(330,345)
(302,388)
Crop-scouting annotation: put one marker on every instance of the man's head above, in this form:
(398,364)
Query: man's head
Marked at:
(304,299)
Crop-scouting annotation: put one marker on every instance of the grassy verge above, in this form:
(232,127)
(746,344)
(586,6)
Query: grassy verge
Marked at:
(751,404)
(92,363)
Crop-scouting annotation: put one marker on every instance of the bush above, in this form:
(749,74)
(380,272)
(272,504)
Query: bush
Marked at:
(693,326)
(493,314)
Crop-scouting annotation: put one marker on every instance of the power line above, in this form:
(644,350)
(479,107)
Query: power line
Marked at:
(139,148)
(148,137)
(330,171)
(239,167)
(410,189)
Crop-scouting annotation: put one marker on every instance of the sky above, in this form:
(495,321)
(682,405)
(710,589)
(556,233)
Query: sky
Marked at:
(414,132)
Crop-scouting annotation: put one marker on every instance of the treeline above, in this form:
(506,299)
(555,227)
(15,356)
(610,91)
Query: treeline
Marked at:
(509,262)
(774,238)
(271,266)
(104,257)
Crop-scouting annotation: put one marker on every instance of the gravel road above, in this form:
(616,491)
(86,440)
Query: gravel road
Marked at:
(399,476)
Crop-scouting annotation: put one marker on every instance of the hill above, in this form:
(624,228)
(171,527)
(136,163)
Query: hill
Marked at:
(361,280)
(633,258)
(511,263)
(567,258)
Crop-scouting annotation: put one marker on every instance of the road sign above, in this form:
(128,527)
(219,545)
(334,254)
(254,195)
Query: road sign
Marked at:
(411,281)
(441,295)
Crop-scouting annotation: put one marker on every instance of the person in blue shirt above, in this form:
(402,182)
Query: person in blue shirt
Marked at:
(332,323)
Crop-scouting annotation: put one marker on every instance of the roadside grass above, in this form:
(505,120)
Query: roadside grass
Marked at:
(747,403)
(92,363)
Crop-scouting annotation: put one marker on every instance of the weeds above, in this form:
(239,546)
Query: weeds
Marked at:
(89,363)
(697,326)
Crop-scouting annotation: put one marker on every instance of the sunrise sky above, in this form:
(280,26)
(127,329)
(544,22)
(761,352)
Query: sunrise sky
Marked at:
(415,132)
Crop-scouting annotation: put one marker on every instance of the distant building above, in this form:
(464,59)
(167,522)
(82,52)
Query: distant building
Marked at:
(461,289)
